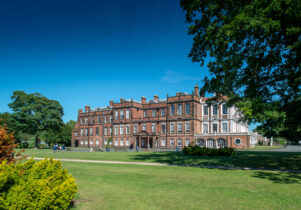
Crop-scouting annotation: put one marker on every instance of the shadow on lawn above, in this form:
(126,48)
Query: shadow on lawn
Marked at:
(251,159)
(279,177)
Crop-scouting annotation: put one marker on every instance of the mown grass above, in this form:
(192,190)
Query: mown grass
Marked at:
(252,159)
(266,147)
(106,186)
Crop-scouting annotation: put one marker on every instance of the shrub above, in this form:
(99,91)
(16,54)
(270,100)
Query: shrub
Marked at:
(36,185)
(7,145)
(202,151)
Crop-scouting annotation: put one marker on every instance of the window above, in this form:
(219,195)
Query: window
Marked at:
(179,127)
(225,127)
(81,132)
(105,120)
(187,110)
(179,143)
(225,110)
(116,115)
(210,143)
(163,128)
(116,130)
(237,141)
(121,130)
(127,129)
(172,142)
(187,127)
(86,142)
(111,132)
(97,142)
(91,142)
(121,142)
(111,119)
(205,128)
(145,113)
(180,109)
(163,142)
(214,109)
(81,142)
(144,127)
(214,127)
(93,120)
(105,131)
(172,109)
(172,128)
(106,142)
(81,121)
(162,112)
(205,110)
(86,131)
(116,142)
(98,119)
(121,114)
(86,121)
(153,113)
(97,131)
(153,127)
(127,114)
(91,131)
(200,142)
(135,128)
(75,134)
(187,142)
(127,142)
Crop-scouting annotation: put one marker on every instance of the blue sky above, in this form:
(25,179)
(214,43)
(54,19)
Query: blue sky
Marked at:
(89,52)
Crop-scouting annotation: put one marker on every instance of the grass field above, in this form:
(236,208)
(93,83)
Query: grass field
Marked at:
(266,147)
(252,159)
(116,186)
(105,186)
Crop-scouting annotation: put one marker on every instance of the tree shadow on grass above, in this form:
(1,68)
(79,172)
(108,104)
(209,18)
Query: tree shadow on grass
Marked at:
(251,159)
(279,177)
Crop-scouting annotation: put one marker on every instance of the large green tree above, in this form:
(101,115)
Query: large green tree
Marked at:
(255,50)
(35,114)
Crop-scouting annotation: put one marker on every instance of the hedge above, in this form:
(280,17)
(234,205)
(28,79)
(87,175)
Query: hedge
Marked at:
(35,185)
(203,151)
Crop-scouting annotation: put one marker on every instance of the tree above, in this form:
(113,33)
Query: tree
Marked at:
(256,51)
(34,114)
(66,132)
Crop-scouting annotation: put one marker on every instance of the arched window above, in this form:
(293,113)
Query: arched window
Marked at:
(200,142)
(221,143)
(210,143)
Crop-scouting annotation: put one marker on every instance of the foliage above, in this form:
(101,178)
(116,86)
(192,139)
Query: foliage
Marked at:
(203,151)
(7,145)
(34,113)
(256,51)
(36,185)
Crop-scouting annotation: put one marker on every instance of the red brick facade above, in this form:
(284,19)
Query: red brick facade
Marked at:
(169,123)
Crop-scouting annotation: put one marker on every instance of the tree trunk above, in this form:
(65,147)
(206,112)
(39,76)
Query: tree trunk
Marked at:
(37,142)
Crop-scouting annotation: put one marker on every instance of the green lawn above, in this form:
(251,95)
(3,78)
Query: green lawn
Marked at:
(253,159)
(106,186)
(265,147)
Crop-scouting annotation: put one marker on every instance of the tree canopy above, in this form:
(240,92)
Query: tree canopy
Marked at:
(256,51)
(34,114)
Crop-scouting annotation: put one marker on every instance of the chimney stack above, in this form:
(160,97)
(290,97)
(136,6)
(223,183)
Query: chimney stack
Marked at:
(111,103)
(80,111)
(196,90)
(143,100)
(156,98)
(87,109)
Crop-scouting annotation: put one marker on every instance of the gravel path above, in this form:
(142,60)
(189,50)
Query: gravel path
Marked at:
(164,164)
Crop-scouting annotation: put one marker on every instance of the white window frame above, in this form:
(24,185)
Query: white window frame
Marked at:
(144,127)
(172,128)
(121,129)
(116,115)
(154,113)
(172,142)
(214,123)
(91,131)
(179,109)
(135,128)
(214,105)
(187,106)
(172,110)
(127,142)
(180,141)
(179,127)
(105,131)
(97,142)
(81,142)
(187,142)
(127,114)
(91,142)
(204,108)
(162,112)
(204,128)
(163,130)
(224,109)
(127,129)
(81,132)
(163,142)
(121,143)
(116,142)
(225,131)
(153,127)
(187,127)
(116,130)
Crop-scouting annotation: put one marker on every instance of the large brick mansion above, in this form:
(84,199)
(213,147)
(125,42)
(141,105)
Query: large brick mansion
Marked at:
(162,123)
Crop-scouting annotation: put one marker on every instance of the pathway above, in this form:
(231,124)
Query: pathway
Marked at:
(165,164)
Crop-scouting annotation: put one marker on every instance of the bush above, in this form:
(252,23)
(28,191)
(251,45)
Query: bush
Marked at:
(36,185)
(202,151)
(7,145)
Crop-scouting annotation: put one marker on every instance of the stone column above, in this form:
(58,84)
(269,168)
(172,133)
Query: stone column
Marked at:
(134,143)
(139,142)
(148,146)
